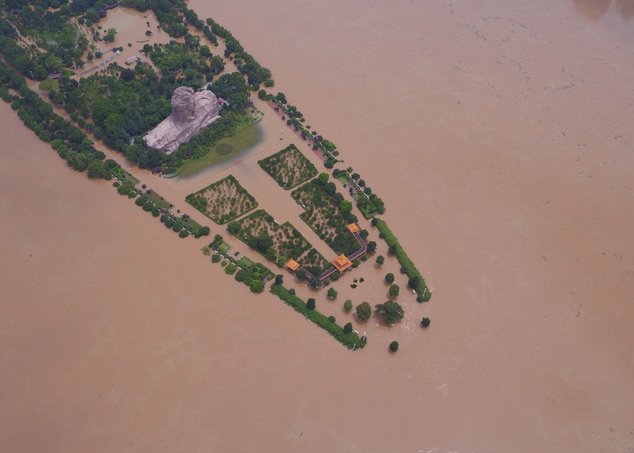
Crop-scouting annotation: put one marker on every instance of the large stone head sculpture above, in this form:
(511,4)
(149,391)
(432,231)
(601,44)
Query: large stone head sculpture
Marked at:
(183,104)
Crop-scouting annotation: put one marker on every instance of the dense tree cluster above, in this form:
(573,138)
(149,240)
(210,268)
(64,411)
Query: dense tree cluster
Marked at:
(390,311)
(68,140)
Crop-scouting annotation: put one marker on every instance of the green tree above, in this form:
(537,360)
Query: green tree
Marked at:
(347,328)
(394,290)
(380,260)
(204,51)
(345,206)
(364,311)
(425,322)
(281,260)
(257,286)
(332,294)
(49,85)
(40,73)
(301,274)
(389,278)
(234,228)
(310,304)
(413,282)
(347,305)
(323,177)
(394,346)
(279,279)
(390,311)
(230,269)
(392,249)
(92,15)
(270,253)
(109,37)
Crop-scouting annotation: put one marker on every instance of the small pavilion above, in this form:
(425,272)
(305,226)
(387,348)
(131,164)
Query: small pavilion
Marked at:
(292,265)
(353,228)
(342,263)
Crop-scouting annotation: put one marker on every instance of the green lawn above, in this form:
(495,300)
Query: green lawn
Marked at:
(245,263)
(224,247)
(246,137)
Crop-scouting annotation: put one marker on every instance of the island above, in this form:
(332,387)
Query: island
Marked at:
(182,102)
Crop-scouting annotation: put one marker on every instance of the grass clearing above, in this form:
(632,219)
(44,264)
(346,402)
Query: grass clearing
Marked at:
(247,136)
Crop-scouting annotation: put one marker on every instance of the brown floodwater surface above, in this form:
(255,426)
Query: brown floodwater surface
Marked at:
(499,136)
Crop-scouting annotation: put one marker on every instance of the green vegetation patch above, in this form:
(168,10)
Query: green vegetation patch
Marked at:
(350,339)
(276,242)
(325,216)
(245,263)
(244,135)
(223,200)
(224,149)
(416,280)
(289,167)
(254,275)
(367,202)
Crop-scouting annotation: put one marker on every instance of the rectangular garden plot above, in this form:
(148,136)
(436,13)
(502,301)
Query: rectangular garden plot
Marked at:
(324,215)
(276,242)
(289,167)
(223,200)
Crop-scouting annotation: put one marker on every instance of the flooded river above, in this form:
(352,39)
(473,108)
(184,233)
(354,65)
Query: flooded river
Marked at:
(499,137)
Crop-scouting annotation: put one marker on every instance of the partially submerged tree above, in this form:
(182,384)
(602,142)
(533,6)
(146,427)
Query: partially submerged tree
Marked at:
(364,311)
(390,311)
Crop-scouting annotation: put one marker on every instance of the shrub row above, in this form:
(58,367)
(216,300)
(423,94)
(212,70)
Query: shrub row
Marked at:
(423,291)
(253,276)
(350,340)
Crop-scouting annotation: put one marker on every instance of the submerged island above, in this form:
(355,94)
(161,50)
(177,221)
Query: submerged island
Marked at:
(176,105)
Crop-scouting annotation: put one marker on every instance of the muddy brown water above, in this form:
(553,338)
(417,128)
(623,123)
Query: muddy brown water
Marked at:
(497,134)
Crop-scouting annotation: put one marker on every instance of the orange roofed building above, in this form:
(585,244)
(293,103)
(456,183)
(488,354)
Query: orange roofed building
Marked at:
(292,265)
(353,228)
(342,263)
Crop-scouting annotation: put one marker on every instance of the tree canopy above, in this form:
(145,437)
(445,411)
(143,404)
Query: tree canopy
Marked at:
(390,311)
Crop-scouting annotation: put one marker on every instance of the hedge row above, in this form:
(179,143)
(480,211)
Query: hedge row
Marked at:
(350,340)
(423,291)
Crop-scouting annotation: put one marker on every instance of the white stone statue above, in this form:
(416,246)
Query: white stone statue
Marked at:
(191,113)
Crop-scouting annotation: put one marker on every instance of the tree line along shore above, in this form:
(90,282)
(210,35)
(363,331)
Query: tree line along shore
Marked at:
(49,41)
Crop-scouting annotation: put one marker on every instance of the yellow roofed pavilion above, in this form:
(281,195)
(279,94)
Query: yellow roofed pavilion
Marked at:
(353,228)
(342,263)
(292,265)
